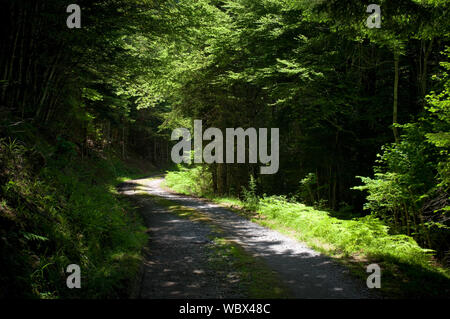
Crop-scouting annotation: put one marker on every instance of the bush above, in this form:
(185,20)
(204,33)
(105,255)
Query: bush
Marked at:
(366,236)
(190,181)
(251,199)
(65,213)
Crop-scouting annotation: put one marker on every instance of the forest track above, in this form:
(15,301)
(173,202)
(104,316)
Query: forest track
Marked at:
(176,265)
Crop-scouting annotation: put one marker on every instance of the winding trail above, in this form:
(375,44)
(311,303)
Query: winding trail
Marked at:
(176,262)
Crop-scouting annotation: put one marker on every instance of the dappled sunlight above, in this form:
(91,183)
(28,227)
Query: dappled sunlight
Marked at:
(307,273)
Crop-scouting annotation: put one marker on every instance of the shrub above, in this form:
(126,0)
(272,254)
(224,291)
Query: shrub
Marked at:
(64,213)
(190,181)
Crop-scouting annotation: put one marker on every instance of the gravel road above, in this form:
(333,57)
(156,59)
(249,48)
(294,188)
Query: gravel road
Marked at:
(176,262)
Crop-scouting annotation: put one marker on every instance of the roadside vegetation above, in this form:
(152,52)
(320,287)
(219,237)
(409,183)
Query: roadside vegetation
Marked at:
(408,269)
(57,210)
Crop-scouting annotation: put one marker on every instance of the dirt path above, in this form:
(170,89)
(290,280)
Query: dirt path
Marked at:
(177,262)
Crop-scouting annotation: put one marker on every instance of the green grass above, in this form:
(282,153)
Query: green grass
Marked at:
(193,181)
(66,211)
(408,270)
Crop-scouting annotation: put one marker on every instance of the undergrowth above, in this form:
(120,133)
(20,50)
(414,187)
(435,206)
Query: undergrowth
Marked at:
(57,209)
(409,270)
(190,181)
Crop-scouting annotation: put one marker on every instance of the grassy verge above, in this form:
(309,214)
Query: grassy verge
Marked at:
(57,210)
(408,271)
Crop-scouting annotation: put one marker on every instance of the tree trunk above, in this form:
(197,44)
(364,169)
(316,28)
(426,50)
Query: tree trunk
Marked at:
(221,178)
(214,177)
(423,76)
(123,142)
(395,108)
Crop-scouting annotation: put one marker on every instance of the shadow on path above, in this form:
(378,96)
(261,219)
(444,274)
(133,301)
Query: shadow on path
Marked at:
(178,260)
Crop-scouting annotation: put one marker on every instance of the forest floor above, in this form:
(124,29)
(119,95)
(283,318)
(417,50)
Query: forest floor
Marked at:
(198,249)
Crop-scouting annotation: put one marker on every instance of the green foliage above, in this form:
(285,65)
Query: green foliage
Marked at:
(64,213)
(439,111)
(309,191)
(404,174)
(411,183)
(408,269)
(250,195)
(366,236)
(190,181)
